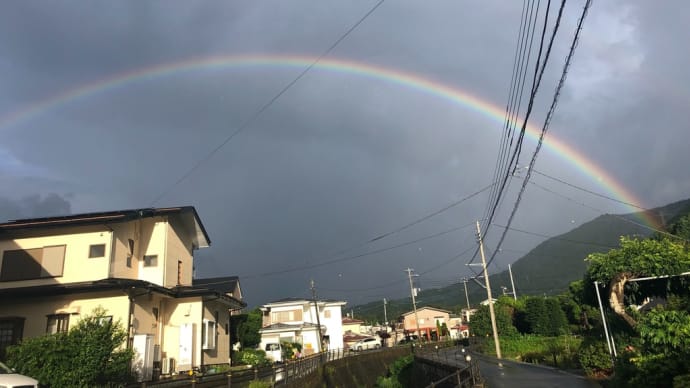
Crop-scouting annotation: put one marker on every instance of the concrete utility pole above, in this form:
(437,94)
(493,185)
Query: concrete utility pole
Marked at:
(467,297)
(512,283)
(318,318)
(385,315)
(488,293)
(414,301)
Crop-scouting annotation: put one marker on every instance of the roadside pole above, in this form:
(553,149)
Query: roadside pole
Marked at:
(488,293)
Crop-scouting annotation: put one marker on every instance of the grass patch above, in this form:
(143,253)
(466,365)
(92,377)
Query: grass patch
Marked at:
(560,352)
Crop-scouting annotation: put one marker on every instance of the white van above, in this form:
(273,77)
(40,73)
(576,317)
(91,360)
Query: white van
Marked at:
(274,351)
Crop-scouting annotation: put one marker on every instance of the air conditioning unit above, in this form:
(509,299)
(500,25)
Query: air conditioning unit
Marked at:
(168,366)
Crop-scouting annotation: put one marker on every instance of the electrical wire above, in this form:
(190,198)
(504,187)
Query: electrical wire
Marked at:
(349,258)
(589,191)
(549,114)
(244,125)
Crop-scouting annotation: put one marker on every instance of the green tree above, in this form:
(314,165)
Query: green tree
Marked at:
(663,351)
(480,324)
(91,354)
(634,258)
(245,328)
(536,315)
(557,321)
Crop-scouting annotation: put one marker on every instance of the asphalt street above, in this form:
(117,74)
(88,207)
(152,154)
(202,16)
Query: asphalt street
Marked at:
(515,375)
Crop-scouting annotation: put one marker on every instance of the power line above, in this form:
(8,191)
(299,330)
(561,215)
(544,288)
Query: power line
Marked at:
(264,107)
(550,112)
(536,82)
(589,191)
(613,215)
(348,258)
(556,237)
(334,258)
(511,114)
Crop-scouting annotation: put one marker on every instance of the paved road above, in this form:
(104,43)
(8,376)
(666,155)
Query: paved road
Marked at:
(515,374)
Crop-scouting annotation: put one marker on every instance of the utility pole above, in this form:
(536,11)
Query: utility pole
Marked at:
(606,330)
(512,283)
(318,318)
(488,293)
(414,301)
(467,297)
(385,315)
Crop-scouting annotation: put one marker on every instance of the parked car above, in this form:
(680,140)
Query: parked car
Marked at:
(366,343)
(274,351)
(10,379)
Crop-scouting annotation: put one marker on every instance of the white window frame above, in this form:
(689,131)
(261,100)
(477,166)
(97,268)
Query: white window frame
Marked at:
(208,342)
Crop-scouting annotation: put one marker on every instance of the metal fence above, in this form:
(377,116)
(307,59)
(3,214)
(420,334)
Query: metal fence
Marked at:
(277,374)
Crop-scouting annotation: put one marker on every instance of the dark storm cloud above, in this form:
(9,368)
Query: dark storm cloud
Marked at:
(339,158)
(34,206)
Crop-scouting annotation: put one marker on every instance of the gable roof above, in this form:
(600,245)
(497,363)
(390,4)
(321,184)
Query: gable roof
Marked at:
(187,214)
(226,285)
(304,301)
(426,308)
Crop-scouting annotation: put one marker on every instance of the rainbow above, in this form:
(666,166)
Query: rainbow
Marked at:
(408,80)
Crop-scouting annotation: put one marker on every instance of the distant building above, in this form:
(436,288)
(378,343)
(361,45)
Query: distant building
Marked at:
(428,317)
(295,320)
(137,265)
(351,325)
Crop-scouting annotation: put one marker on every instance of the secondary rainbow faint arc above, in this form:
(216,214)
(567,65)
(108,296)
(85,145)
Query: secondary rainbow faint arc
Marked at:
(406,79)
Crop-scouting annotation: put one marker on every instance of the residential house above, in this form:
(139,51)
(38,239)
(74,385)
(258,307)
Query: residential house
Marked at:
(467,314)
(295,320)
(136,264)
(351,325)
(427,319)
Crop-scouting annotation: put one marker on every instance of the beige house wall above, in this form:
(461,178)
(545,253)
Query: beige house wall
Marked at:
(427,319)
(178,249)
(178,312)
(221,354)
(153,242)
(77,266)
(118,264)
(35,312)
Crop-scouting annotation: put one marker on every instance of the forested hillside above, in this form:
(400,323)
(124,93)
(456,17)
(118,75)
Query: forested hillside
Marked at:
(546,269)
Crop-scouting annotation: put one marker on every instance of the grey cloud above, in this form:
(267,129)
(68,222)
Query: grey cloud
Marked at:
(34,206)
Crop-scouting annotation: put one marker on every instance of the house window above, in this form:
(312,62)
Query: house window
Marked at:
(96,250)
(36,263)
(327,313)
(57,323)
(130,244)
(179,272)
(11,330)
(208,335)
(286,316)
(150,260)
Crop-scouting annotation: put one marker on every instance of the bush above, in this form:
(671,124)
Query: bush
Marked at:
(90,354)
(594,357)
(251,357)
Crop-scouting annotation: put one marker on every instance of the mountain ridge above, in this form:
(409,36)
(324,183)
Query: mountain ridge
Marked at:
(548,268)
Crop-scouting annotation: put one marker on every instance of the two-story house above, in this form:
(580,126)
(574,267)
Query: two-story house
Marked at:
(136,264)
(295,320)
(427,319)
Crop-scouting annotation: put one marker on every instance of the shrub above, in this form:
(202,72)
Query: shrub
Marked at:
(90,354)
(251,357)
(594,357)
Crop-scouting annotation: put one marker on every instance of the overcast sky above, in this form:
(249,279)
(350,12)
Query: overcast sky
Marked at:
(340,157)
